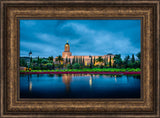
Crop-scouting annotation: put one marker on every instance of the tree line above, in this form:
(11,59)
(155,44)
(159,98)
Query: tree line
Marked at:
(79,63)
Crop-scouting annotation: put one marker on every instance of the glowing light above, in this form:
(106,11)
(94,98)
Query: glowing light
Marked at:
(90,81)
(85,63)
(115,78)
(30,86)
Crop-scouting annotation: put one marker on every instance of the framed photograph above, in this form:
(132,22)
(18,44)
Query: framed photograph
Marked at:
(89,65)
(79,58)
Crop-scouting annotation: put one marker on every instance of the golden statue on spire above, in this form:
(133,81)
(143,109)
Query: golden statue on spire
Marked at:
(67,41)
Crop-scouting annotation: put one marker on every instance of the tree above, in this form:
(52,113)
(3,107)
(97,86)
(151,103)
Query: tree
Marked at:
(83,61)
(49,66)
(44,61)
(23,62)
(40,62)
(105,61)
(126,61)
(31,60)
(99,59)
(94,60)
(59,59)
(139,59)
(34,61)
(50,58)
(53,66)
(110,63)
(76,66)
(117,60)
(139,55)
(73,60)
(69,61)
(76,60)
(38,59)
(80,60)
(132,59)
(66,60)
(69,66)
(91,62)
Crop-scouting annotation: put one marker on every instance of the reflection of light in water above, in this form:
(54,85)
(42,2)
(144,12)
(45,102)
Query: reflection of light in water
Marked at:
(121,80)
(90,81)
(66,80)
(30,85)
(115,78)
(125,80)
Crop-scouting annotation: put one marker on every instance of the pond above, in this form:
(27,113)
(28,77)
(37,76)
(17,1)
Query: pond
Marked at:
(79,86)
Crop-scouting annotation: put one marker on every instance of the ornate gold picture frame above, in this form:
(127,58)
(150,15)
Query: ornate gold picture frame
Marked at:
(13,11)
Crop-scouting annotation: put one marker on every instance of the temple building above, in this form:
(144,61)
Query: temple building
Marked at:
(69,58)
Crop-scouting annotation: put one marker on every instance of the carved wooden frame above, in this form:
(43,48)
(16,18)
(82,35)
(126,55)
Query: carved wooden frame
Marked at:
(13,11)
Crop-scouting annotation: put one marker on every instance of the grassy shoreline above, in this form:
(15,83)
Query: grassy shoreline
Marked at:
(87,70)
(108,73)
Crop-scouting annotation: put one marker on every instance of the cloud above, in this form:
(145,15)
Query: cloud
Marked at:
(86,37)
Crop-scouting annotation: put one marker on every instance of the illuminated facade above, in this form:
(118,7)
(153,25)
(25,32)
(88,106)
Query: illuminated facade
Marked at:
(66,53)
(69,58)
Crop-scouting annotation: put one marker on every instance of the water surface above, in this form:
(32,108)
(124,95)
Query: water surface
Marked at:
(79,86)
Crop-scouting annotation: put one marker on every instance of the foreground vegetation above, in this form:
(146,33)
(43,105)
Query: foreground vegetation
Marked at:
(47,65)
(89,70)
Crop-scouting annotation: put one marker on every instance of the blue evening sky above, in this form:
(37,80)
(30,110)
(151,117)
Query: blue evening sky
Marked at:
(86,37)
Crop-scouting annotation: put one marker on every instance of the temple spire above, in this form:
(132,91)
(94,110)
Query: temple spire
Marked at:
(66,53)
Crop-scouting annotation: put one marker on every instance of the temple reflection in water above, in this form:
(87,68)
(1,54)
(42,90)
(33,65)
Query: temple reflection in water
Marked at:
(79,86)
(67,79)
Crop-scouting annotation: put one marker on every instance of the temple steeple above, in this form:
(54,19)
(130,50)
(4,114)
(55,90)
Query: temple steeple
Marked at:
(66,52)
(67,47)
